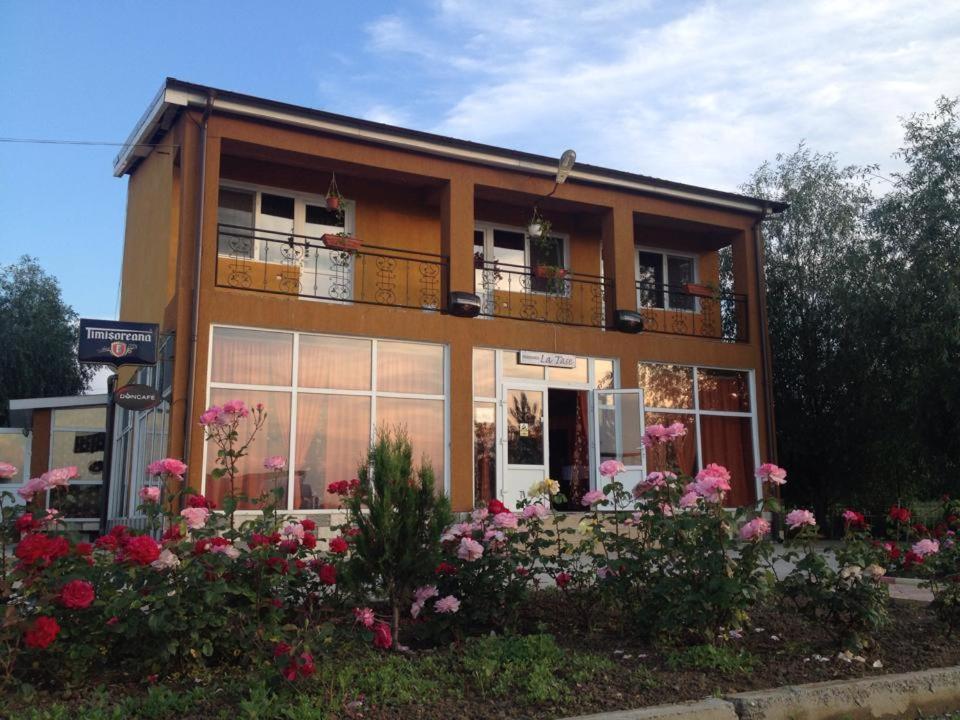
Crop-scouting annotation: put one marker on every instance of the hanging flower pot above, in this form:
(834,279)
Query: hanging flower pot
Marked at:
(333,202)
(334,198)
(341,241)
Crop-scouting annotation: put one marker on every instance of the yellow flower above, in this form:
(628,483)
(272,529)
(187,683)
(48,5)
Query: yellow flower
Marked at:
(544,487)
(553,487)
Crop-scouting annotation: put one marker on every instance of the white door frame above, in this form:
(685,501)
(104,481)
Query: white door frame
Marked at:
(596,483)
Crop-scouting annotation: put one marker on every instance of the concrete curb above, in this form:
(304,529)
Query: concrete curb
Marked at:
(710,709)
(932,691)
(884,696)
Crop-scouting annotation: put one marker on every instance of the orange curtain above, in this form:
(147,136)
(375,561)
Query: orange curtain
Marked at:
(686,448)
(729,442)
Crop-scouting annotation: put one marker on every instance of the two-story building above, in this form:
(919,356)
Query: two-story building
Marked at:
(352,275)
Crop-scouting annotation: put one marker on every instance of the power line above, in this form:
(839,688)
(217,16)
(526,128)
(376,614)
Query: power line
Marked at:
(42,141)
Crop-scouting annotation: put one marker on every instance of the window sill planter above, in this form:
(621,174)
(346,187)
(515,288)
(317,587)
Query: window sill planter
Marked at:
(347,243)
(698,290)
(550,271)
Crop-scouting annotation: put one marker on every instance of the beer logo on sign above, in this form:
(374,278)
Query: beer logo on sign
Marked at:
(120,349)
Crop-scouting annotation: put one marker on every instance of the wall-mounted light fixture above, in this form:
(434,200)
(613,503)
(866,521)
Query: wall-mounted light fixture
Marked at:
(464,304)
(567,160)
(629,321)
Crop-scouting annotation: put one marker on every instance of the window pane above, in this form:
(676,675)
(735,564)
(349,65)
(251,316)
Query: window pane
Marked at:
(549,254)
(94,418)
(511,368)
(423,420)
(508,247)
(83,449)
(603,370)
(680,272)
(76,501)
(251,357)
(723,390)
(484,373)
(319,215)
(335,362)
(236,208)
(479,257)
(620,435)
(410,368)
(524,427)
(13,450)
(253,480)
(666,386)
(276,205)
(650,279)
(729,442)
(333,437)
(574,374)
(484,452)
(686,447)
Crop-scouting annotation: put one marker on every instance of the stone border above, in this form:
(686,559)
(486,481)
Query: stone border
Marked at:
(930,691)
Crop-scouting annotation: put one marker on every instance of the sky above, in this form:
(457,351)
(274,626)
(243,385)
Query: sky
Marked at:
(698,92)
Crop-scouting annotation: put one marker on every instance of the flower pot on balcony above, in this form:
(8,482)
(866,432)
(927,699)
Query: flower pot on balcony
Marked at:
(550,271)
(698,290)
(347,243)
(333,203)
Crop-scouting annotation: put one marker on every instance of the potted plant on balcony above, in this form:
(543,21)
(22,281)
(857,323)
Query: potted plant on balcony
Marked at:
(538,230)
(334,198)
(554,275)
(699,290)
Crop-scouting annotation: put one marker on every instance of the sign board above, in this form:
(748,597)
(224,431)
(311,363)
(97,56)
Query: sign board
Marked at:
(545,359)
(136,397)
(118,342)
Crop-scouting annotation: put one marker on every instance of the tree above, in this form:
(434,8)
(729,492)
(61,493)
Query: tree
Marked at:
(39,334)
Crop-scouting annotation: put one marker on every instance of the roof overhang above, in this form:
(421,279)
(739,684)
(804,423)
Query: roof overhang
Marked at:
(21,411)
(176,95)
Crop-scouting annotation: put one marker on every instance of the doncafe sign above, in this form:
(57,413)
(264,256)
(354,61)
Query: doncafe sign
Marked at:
(136,397)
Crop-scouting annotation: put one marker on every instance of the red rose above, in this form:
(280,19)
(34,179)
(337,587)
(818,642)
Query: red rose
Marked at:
(39,549)
(382,638)
(522,571)
(338,545)
(563,579)
(43,632)
(83,549)
(306,664)
(289,546)
(495,507)
(200,501)
(308,524)
(446,568)
(899,514)
(107,542)
(281,648)
(172,533)
(77,594)
(911,559)
(328,574)
(278,565)
(141,550)
(258,540)
(26,523)
(201,546)
(309,541)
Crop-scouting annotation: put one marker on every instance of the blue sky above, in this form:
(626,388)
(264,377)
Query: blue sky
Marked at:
(701,92)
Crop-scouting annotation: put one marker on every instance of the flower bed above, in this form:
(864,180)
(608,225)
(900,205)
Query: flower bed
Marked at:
(659,593)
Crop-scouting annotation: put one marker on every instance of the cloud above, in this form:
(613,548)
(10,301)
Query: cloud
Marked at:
(701,92)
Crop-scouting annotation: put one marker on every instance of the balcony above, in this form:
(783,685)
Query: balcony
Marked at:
(548,295)
(680,310)
(282,263)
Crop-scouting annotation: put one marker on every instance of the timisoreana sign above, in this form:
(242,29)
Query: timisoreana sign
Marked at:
(118,342)
(545,359)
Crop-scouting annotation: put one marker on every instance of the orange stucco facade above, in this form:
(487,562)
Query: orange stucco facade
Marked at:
(414,201)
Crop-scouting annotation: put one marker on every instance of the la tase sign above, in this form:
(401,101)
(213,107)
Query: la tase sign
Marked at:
(545,359)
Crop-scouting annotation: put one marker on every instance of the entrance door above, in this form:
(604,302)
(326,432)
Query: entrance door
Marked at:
(525,444)
(618,427)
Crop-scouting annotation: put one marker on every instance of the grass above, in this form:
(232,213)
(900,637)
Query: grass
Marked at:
(711,658)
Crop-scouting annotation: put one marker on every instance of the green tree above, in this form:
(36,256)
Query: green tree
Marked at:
(39,334)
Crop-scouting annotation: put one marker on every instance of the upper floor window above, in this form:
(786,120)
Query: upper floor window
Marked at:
(661,277)
(518,258)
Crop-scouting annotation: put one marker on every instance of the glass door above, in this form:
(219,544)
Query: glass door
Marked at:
(618,429)
(524,440)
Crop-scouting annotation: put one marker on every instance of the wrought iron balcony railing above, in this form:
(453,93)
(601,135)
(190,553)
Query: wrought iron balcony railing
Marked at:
(678,310)
(309,267)
(543,294)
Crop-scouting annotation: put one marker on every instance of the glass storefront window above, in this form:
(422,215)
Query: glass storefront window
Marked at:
(13,450)
(511,368)
(333,437)
(577,374)
(729,442)
(409,368)
(423,422)
(484,451)
(251,357)
(337,363)
(727,390)
(666,386)
(524,427)
(92,418)
(603,371)
(686,448)
(484,373)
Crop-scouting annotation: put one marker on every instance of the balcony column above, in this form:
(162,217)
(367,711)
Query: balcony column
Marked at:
(744,280)
(456,234)
(617,247)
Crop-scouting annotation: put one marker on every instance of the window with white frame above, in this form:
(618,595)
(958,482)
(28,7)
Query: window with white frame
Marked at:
(325,397)
(15,449)
(77,437)
(717,408)
(518,256)
(661,277)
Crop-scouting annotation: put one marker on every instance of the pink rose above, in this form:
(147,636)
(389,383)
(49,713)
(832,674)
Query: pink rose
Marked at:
(592,497)
(505,520)
(535,510)
(31,488)
(770,473)
(754,530)
(167,466)
(448,604)
(609,468)
(196,517)
(60,477)
(689,500)
(926,547)
(364,617)
(150,494)
(469,549)
(210,415)
(799,518)
(7,470)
